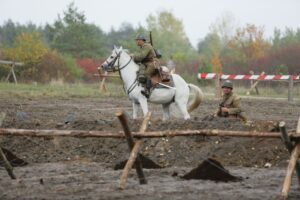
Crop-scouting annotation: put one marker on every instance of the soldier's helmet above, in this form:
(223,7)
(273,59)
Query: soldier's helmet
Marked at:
(227,84)
(140,37)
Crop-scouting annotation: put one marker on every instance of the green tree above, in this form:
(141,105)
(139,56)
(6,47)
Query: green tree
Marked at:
(72,35)
(169,36)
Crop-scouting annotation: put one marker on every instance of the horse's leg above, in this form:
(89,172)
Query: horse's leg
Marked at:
(166,110)
(182,106)
(135,108)
(144,105)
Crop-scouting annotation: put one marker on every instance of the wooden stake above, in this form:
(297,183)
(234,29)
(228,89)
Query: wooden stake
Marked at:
(6,163)
(291,167)
(290,89)
(289,145)
(133,154)
(131,160)
(129,138)
(145,123)
(298,127)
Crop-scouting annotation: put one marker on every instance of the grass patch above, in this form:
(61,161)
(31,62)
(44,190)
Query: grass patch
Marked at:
(59,90)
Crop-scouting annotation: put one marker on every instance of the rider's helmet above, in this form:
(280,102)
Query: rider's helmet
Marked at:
(140,37)
(227,84)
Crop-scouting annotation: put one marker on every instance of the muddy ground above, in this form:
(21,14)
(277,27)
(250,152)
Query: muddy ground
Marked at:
(82,168)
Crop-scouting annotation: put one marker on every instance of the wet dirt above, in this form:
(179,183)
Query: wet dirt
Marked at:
(82,168)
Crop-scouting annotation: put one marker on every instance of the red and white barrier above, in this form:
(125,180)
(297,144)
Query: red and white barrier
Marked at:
(246,77)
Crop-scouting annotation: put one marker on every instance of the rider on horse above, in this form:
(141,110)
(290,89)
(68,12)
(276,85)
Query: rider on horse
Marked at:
(146,58)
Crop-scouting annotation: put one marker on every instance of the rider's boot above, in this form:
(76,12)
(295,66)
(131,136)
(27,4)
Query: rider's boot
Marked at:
(146,92)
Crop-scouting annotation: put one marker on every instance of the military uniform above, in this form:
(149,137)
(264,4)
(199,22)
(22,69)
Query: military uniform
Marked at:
(232,102)
(146,56)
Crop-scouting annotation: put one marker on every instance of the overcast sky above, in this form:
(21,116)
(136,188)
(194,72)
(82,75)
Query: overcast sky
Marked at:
(196,15)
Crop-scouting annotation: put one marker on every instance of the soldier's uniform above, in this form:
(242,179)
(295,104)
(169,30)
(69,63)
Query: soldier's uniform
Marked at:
(233,103)
(146,57)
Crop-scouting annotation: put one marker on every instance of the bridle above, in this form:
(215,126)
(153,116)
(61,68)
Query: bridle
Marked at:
(112,68)
(111,64)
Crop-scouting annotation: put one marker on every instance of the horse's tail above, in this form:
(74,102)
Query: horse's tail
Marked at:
(197,98)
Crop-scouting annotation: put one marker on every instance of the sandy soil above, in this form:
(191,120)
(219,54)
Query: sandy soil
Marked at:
(73,168)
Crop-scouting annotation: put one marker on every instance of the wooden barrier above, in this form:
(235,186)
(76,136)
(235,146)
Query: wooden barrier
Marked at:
(291,141)
(12,71)
(102,78)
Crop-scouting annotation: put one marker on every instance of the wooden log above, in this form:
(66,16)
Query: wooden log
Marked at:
(298,127)
(150,134)
(129,164)
(7,165)
(290,89)
(218,93)
(134,153)
(289,145)
(145,123)
(102,84)
(291,167)
(129,138)
(2,117)
(107,75)
(3,158)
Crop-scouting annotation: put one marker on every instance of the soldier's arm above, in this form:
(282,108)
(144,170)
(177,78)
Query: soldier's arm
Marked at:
(236,106)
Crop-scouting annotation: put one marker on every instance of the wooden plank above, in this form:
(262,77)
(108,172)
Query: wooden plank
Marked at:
(291,167)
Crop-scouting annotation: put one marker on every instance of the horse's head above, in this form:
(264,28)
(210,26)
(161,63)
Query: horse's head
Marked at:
(112,62)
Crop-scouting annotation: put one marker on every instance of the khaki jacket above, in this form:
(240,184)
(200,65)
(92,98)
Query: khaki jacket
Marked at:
(233,103)
(146,56)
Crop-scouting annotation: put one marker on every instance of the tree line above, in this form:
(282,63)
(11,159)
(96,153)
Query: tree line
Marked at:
(52,51)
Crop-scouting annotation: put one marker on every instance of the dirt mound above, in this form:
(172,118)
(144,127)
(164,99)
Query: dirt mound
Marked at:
(146,163)
(211,169)
(13,159)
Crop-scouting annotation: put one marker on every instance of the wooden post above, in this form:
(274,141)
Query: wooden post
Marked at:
(218,93)
(102,84)
(13,73)
(6,163)
(133,154)
(291,167)
(289,145)
(290,90)
(129,138)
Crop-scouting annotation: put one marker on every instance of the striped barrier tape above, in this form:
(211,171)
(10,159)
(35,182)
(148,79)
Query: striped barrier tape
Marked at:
(246,77)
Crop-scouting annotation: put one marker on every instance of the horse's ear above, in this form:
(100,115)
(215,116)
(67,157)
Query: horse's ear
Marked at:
(115,47)
(121,48)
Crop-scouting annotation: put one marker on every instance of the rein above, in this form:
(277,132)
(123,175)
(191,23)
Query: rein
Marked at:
(134,84)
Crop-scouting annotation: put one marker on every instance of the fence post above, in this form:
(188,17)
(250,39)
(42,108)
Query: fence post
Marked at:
(290,90)
(218,86)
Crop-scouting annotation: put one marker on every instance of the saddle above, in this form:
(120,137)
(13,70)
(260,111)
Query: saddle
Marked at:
(162,77)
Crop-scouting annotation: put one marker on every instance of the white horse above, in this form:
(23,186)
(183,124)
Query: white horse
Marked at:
(120,61)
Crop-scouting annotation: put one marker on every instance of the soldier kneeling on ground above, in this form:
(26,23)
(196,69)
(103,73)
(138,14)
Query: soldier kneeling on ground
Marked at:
(230,105)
